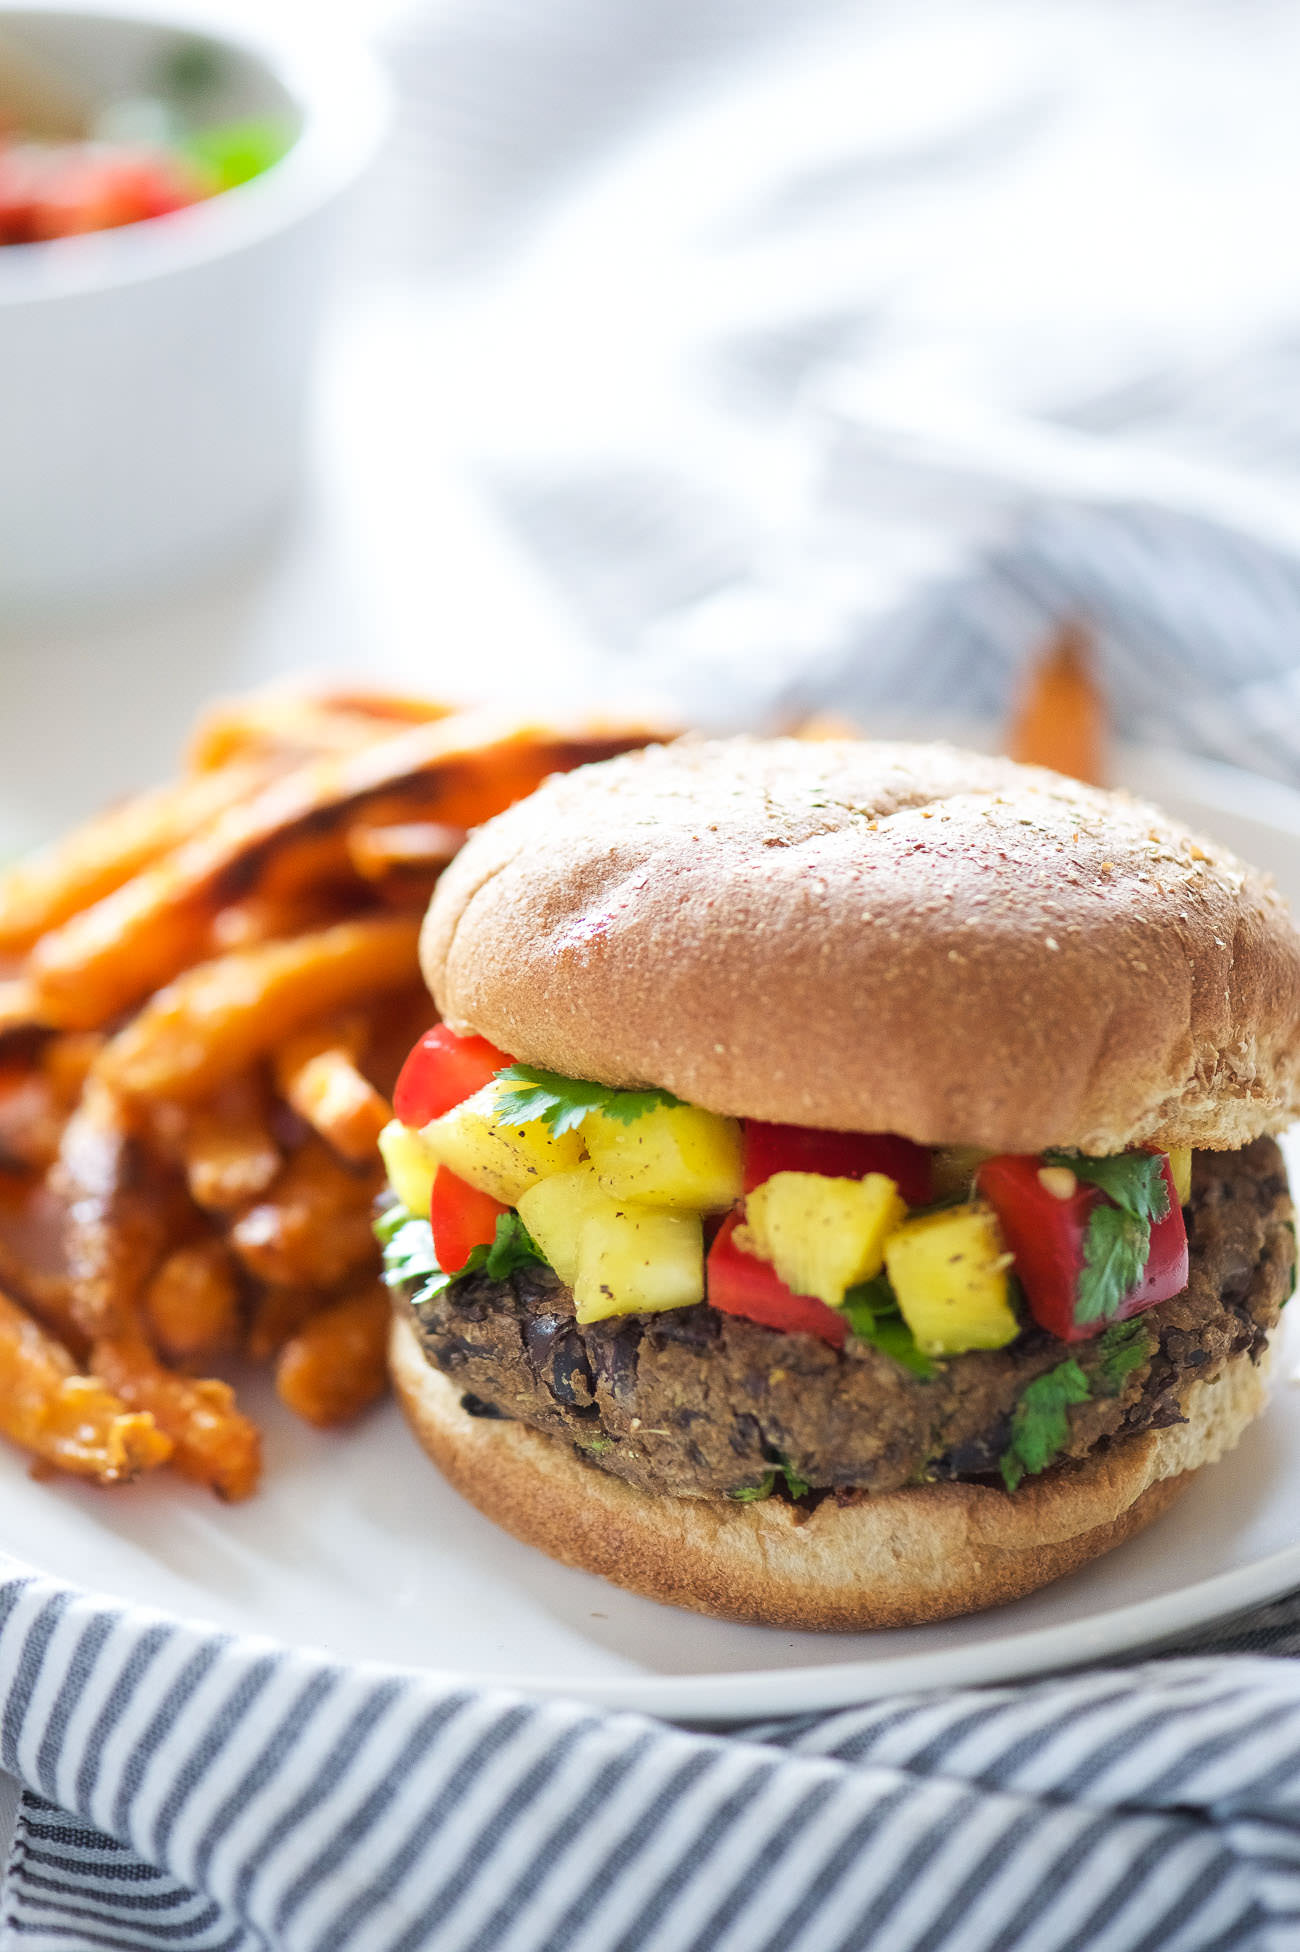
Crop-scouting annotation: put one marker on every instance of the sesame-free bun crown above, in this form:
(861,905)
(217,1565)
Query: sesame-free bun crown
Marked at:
(878,937)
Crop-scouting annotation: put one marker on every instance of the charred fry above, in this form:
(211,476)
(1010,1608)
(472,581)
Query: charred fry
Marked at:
(294,832)
(117,1214)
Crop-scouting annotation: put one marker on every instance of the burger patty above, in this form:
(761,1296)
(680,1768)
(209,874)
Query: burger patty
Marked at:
(696,1403)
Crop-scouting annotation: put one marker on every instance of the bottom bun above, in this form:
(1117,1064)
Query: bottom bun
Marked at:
(891,1560)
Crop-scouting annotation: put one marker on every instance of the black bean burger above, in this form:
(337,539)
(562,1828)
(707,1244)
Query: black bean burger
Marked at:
(840,1192)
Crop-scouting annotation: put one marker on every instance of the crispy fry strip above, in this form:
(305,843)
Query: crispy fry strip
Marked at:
(405,860)
(313,1228)
(192,1305)
(215,1444)
(316,1072)
(226,1149)
(45,889)
(32,1263)
(72,1422)
(458,770)
(335,1366)
(117,1215)
(277,1314)
(1060,721)
(218,1017)
(290,721)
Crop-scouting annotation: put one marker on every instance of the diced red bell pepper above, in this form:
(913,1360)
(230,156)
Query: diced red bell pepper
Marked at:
(442,1071)
(840,1155)
(462,1219)
(1046,1236)
(741,1284)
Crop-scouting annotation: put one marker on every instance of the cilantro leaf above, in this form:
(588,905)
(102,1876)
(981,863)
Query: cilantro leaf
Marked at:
(409,1258)
(1134,1180)
(562,1103)
(513,1247)
(1124,1347)
(1117,1245)
(1116,1248)
(874,1316)
(1039,1425)
(748,1494)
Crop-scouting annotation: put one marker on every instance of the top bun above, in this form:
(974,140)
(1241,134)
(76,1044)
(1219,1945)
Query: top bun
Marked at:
(878,937)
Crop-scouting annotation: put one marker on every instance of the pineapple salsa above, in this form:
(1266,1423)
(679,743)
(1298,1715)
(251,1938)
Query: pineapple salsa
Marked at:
(641,1203)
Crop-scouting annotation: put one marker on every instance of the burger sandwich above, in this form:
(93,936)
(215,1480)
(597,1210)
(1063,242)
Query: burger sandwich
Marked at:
(841,1189)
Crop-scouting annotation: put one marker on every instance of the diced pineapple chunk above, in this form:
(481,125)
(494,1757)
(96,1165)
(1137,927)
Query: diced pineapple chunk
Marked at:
(555,1211)
(1180,1171)
(822,1235)
(637,1260)
(949,1272)
(498,1156)
(409,1164)
(674,1155)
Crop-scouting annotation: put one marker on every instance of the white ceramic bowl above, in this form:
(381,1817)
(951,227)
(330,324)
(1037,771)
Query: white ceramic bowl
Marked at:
(153,378)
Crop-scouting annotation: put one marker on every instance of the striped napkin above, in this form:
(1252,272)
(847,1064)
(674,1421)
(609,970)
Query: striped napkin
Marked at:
(190,1790)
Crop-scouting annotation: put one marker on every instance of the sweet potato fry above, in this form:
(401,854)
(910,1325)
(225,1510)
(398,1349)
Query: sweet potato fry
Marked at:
(72,1422)
(316,1072)
(288,721)
(313,1227)
(289,836)
(66,1060)
(335,1366)
(33,1265)
(403,862)
(192,1306)
(45,889)
(119,1212)
(31,1118)
(278,1313)
(225,1146)
(215,1444)
(1060,721)
(215,1019)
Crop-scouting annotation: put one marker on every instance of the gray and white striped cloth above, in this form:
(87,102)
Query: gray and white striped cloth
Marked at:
(190,1790)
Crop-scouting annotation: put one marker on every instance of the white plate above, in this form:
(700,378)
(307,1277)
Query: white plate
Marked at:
(357,1546)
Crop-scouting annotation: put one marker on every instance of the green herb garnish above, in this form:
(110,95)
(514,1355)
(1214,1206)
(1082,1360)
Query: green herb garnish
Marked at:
(562,1103)
(874,1316)
(407,1243)
(1039,1425)
(1134,1180)
(748,1494)
(1117,1245)
(1123,1348)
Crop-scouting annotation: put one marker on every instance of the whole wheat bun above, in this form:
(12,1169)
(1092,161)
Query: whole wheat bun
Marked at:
(897,1559)
(878,938)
